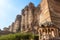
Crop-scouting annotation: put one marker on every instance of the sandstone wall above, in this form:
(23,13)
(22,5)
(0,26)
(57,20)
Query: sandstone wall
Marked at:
(11,27)
(32,17)
(23,21)
(45,14)
(54,8)
(17,24)
(27,17)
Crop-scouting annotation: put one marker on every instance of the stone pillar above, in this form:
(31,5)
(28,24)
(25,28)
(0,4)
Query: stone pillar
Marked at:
(40,33)
(47,30)
(57,33)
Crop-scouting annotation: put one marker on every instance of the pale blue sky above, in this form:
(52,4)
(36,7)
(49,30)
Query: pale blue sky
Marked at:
(10,8)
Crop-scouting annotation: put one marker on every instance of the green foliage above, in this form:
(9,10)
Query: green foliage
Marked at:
(17,36)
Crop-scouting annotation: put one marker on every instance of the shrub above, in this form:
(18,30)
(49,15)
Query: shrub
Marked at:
(17,36)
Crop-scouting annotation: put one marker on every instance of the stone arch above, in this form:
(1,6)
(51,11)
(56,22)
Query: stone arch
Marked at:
(52,29)
(53,32)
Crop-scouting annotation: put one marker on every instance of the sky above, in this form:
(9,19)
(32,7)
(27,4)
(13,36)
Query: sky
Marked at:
(9,9)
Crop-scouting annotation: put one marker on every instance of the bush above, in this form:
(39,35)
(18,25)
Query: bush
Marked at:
(17,36)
